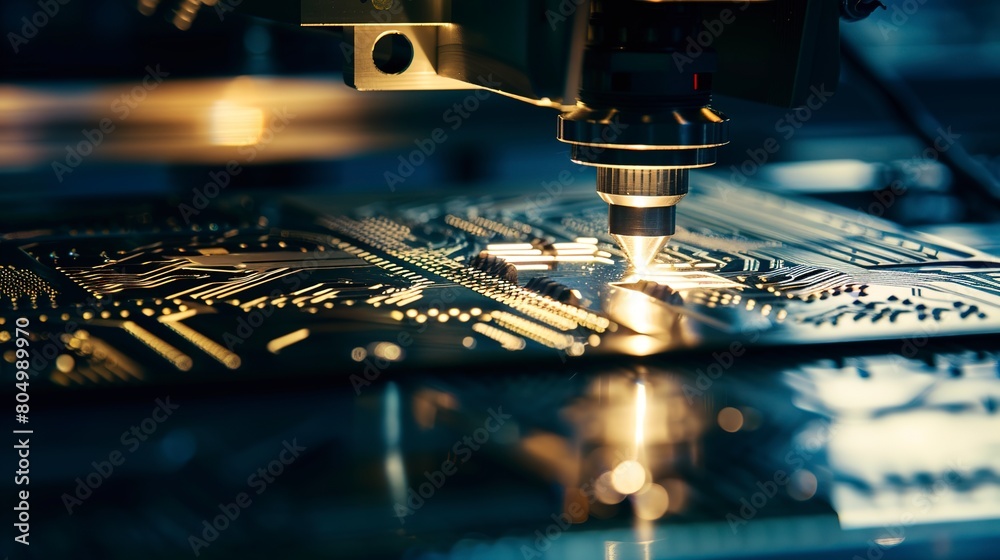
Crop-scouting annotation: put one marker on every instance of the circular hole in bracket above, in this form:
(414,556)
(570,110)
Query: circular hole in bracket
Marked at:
(392,53)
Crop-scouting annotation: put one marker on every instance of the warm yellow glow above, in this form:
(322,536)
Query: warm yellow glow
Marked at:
(209,346)
(359,354)
(640,417)
(507,340)
(234,124)
(179,359)
(604,490)
(65,363)
(176,316)
(287,340)
(641,345)
(628,477)
(388,351)
(533,330)
(651,503)
(730,419)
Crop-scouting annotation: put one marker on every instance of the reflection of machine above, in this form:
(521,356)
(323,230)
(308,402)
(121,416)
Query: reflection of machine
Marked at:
(633,82)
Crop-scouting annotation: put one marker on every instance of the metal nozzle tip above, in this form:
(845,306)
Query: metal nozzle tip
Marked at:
(641,250)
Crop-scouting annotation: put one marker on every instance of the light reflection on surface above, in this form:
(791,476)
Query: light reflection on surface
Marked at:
(651,306)
(528,256)
(651,503)
(395,471)
(915,443)
(640,417)
(643,455)
(195,120)
(680,279)
(651,326)
(639,312)
(637,427)
(638,344)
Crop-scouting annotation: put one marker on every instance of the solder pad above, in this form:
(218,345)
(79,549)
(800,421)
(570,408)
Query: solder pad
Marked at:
(327,287)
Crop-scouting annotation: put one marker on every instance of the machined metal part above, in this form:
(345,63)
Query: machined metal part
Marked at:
(641,250)
(642,209)
(642,119)
(525,51)
(669,129)
(641,73)
(642,188)
(599,156)
(421,73)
